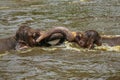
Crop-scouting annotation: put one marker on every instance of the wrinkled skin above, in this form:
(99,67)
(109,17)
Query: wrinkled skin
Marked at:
(89,38)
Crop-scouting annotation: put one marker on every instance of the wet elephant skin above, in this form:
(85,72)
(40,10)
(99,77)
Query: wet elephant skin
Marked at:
(111,41)
(7,43)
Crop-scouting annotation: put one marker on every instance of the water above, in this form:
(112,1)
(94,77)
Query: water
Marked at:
(68,61)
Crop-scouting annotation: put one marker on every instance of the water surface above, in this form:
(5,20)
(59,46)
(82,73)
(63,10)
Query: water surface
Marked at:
(68,61)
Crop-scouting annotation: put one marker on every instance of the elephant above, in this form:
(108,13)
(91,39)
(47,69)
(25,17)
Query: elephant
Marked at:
(25,37)
(89,38)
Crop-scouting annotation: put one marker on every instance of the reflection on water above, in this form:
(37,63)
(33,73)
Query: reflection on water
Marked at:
(67,61)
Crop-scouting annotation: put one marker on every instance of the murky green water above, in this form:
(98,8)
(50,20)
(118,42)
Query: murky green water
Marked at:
(61,62)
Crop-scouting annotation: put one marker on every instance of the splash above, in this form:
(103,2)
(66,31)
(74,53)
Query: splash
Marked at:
(70,46)
(5,53)
(24,51)
(108,48)
(49,49)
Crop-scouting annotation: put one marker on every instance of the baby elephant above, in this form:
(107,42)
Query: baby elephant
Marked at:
(89,38)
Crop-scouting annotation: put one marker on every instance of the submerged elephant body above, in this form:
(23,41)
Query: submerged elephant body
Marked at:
(7,43)
(111,41)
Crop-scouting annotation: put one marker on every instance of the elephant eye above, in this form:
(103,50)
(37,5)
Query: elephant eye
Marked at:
(35,35)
